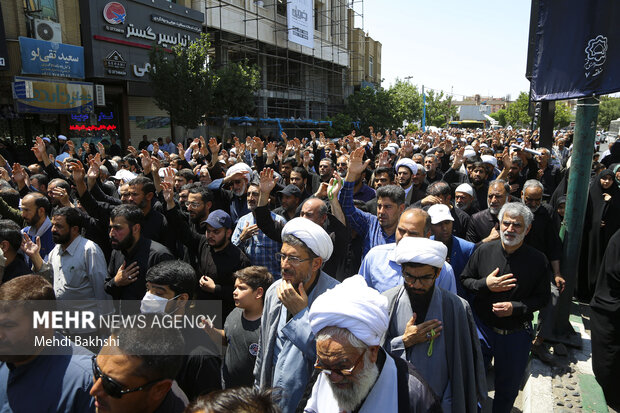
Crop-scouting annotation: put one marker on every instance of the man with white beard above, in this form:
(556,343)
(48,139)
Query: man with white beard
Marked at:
(234,199)
(357,375)
(464,199)
(509,281)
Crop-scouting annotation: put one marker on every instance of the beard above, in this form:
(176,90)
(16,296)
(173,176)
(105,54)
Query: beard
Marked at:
(462,205)
(518,238)
(34,220)
(123,245)
(350,398)
(61,238)
(240,191)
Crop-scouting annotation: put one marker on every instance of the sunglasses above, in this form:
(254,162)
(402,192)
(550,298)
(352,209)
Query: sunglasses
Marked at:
(111,386)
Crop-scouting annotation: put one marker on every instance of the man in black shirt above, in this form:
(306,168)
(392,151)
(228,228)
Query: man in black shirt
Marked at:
(509,281)
(484,225)
(10,241)
(133,254)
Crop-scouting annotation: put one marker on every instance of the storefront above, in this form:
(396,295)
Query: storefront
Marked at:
(117,38)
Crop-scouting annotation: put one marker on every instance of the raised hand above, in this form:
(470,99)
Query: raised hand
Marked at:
(214,147)
(167,191)
(356,165)
(19,175)
(335,185)
(30,248)
(267,181)
(101,149)
(168,176)
(146,161)
(77,170)
(271,151)
(133,151)
(39,149)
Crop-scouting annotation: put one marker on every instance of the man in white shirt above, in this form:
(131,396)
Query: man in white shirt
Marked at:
(79,268)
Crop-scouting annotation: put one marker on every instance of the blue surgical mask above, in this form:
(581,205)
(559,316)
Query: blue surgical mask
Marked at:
(154,304)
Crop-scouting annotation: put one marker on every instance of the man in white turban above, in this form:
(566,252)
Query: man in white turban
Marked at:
(410,177)
(287,348)
(349,322)
(434,329)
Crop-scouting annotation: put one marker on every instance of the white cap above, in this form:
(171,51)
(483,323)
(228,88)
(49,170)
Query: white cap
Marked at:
(62,138)
(490,159)
(469,153)
(46,139)
(465,188)
(439,213)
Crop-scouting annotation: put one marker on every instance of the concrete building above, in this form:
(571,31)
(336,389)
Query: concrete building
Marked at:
(306,74)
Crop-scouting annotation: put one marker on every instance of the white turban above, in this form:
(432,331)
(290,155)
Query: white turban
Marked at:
(240,167)
(469,153)
(409,163)
(420,251)
(353,306)
(313,235)
(465,188)
(490,159)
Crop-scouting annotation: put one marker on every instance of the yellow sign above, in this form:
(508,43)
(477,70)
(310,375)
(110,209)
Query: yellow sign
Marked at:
(53,96)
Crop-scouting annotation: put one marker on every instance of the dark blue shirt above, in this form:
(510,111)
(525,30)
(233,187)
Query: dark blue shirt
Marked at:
(49,383)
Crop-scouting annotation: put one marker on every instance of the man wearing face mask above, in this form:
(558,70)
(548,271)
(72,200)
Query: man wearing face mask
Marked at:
(170,286)
(503,313)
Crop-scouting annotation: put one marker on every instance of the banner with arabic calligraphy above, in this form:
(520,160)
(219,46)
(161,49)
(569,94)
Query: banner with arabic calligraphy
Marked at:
(54,96)
(51,59)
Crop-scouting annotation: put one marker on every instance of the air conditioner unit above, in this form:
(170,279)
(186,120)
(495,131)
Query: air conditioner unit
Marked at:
(47,30)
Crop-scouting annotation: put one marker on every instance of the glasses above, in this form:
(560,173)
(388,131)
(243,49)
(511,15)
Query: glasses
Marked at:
(293,260)
(422,279)
(111,386)
(340,372)
(194,204)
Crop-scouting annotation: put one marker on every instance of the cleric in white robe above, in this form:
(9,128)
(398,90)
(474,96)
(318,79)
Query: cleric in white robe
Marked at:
(433,329)
(349,322)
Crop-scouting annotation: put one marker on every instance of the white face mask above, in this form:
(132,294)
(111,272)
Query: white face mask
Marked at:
(154,304)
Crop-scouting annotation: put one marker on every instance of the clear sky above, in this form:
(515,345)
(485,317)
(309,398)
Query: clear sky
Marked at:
(472,46)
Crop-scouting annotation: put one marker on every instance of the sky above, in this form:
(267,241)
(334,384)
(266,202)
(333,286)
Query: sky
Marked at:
(468,46)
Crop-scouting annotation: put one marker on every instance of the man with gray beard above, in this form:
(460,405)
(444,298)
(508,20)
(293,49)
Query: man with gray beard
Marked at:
(356,374)
(483,226)
(509,280)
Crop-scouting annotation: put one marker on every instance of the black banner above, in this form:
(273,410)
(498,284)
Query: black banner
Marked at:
(4,55)
(577,49)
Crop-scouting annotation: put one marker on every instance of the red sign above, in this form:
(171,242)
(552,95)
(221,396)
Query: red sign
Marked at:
(91,128)
(114,13)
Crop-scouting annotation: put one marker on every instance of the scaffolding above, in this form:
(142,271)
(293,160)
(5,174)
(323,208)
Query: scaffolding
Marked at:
(294,84)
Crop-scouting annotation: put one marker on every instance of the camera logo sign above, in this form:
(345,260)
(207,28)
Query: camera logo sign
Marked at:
(114,13)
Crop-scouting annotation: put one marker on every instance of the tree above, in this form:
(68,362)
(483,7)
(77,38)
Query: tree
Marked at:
(609,110)
(407,101)
(563,115)
(516,114)
(182,81)
(372,108)
(439,109)
(500,116)
(234,89)
(341,126)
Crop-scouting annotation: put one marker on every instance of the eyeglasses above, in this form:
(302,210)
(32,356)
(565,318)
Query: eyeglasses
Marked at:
(340,372)
(111,386)
(293,260)
(422,279)
(194,204)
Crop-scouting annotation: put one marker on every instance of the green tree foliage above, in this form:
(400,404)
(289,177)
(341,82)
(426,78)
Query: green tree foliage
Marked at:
(609,110)
(439,109)
(407,101)
(182,82)
(373,108)
(500,116)
(234,88)
(341,126)
(563,116)
(516,114)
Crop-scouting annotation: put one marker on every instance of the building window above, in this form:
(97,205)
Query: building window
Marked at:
(370,66)
(281,7)
(42,9)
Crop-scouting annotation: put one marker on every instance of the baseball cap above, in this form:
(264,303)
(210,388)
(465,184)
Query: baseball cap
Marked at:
(439,213)
(218,219)
(290,189)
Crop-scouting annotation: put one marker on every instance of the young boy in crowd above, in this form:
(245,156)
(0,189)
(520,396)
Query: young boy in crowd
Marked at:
(241,328)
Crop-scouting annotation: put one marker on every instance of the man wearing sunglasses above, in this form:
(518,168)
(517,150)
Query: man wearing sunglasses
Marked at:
(355,373)
(134,372)
(434,329)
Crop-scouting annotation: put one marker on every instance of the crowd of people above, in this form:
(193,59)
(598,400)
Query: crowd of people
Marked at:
(367,273)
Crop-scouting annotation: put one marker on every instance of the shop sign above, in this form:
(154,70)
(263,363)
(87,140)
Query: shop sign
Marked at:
(40,57)
(53,96)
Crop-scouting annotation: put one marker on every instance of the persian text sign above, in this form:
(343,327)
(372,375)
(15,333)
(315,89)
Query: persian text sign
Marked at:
(51,59)
(54,96)
(300,19)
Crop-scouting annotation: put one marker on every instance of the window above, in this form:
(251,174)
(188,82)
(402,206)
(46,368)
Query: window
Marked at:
(281,7)
(42,9)
(370,66)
